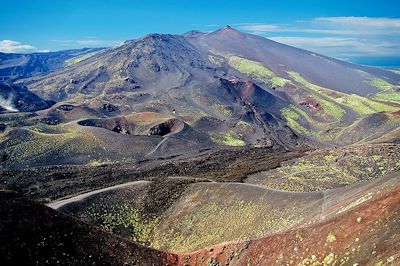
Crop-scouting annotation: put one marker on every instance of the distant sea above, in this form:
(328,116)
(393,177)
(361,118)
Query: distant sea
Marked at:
(386,62)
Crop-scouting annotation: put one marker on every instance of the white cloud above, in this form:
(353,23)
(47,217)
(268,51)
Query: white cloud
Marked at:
(362,21)
(262,27)
(9,46)
(336,36)
(342,47)
(89,42)
(334,25)
(362,25)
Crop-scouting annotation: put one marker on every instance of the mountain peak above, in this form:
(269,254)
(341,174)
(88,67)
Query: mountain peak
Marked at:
(158,36)
(153,39)
(228,30)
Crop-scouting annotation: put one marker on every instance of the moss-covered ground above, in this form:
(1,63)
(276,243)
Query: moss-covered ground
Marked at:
(122,219)
(325,125)
(330,168)
(257,71)
(78,59)
(229,138)
(208,214)
(381,84)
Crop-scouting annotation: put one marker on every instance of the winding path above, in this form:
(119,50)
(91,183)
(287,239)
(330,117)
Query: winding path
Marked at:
(58,204)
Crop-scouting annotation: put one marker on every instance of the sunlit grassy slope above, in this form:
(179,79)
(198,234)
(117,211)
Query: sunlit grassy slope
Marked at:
(336,104)
(335,110)
(78,59)
(257,71)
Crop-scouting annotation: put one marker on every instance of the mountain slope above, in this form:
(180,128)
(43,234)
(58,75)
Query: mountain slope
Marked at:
(318,69)
(133,140)
(55,238)
(16,66)
(356,225)
(154,62)
(325,96)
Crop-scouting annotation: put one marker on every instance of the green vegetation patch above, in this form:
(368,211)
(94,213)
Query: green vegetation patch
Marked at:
(122,219)
(328,105)
(253,68)
(78,59)
(229,138)
(257,71)
(324,131)
(215,222)
(381,84)
(31,145)
(327,169)
(297,77)
(279,81)
(363,105)
(222,109)
(389,95)
(292,117)
(330,259)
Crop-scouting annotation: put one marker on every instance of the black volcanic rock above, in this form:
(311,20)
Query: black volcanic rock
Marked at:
(66,107)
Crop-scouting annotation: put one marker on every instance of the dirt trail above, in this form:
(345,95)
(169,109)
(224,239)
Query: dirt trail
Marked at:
(60,203)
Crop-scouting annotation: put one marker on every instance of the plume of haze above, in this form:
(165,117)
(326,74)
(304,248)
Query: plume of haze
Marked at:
(7,104)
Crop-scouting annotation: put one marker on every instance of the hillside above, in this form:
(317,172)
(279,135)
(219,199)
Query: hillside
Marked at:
(17,66)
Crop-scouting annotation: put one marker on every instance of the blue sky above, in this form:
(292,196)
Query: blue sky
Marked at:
(363,31)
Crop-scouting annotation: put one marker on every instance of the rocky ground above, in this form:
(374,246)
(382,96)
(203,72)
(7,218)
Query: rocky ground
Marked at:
(225,165)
